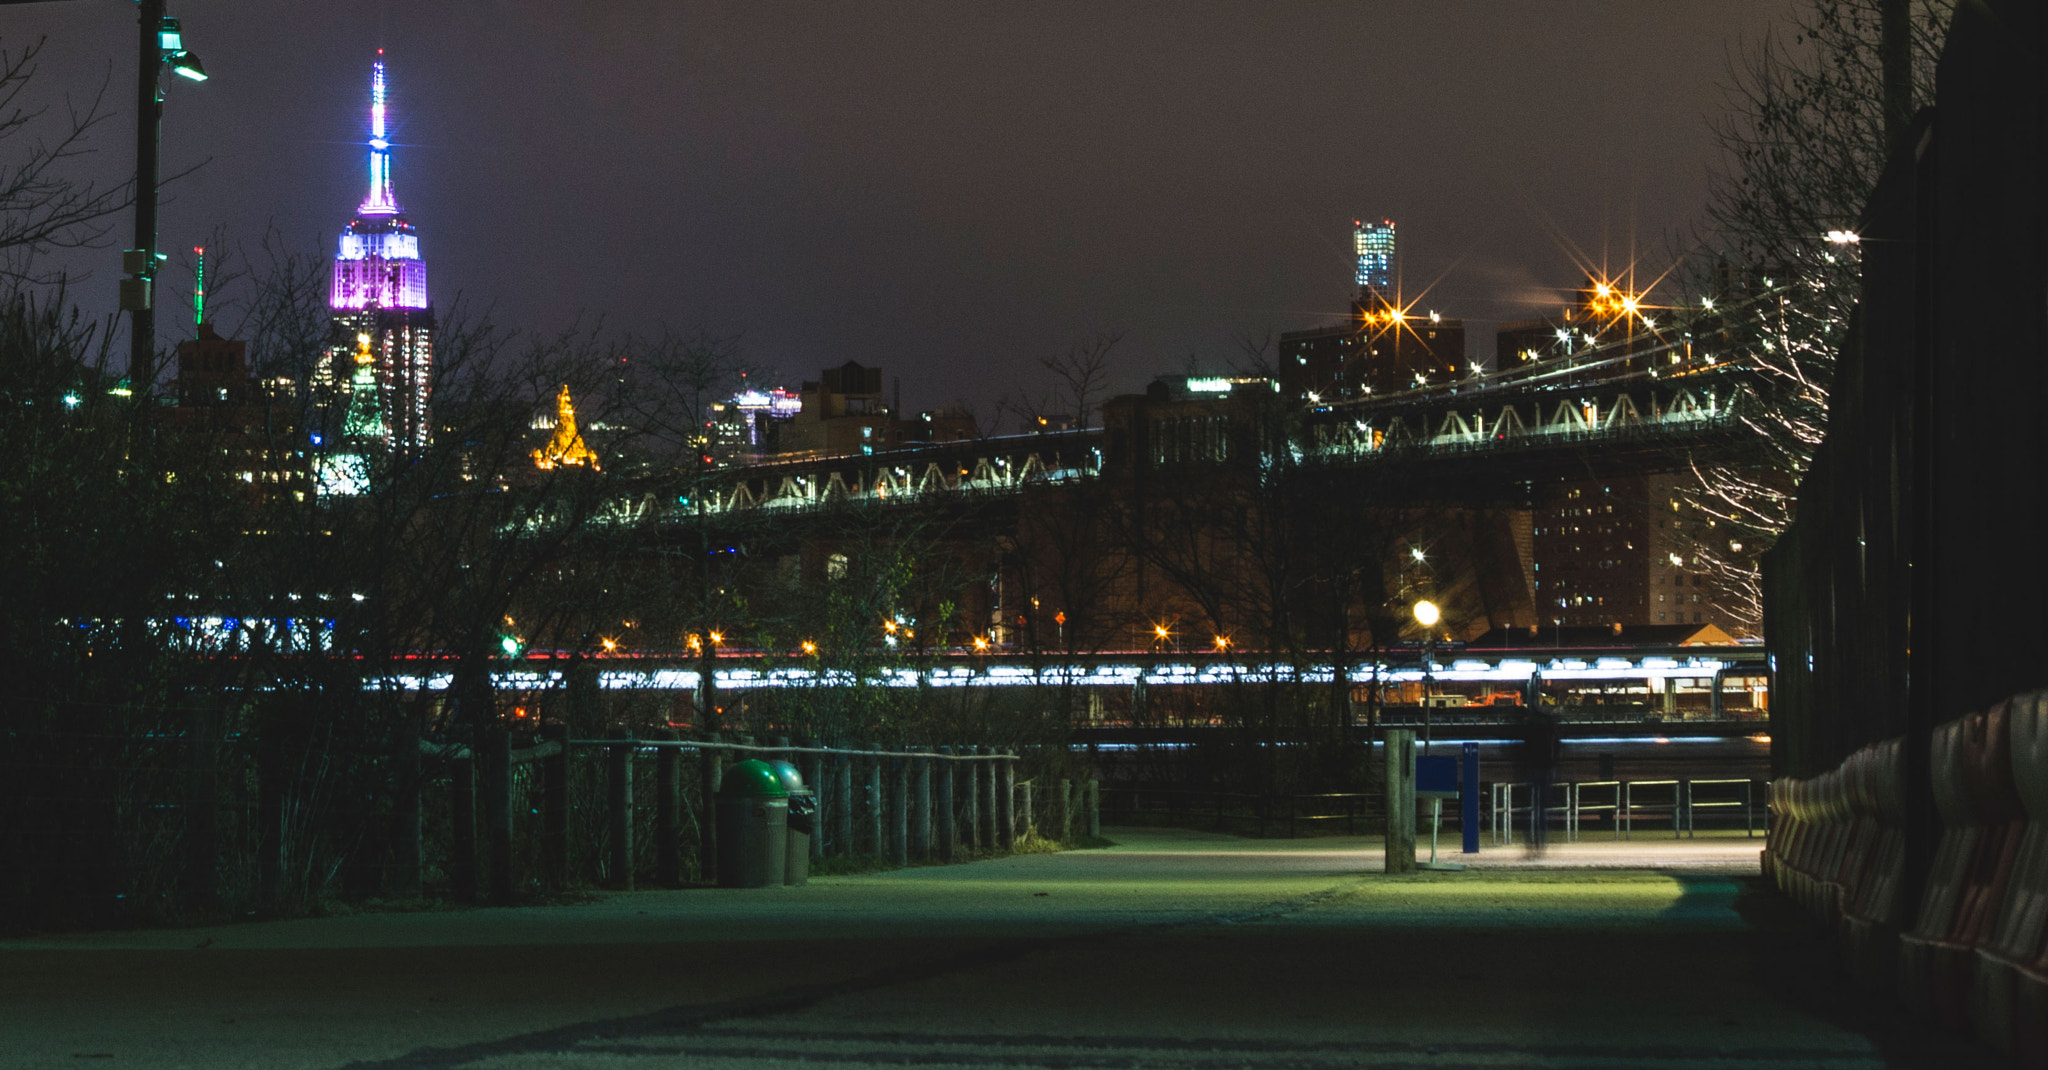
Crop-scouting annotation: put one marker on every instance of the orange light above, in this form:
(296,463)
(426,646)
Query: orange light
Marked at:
(717,637)
(611,645)
(1223,642)
(981,642)
(1160,631)
(810,647)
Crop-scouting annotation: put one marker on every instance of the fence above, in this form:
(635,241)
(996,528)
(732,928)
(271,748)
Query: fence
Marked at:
(1626,802)
(899,806)
(1225,811)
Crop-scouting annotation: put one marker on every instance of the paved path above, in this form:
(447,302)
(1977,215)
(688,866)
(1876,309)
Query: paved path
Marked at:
(1171,950)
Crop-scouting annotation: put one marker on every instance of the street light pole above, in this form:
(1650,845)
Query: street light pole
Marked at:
(1426,614)
(149,111)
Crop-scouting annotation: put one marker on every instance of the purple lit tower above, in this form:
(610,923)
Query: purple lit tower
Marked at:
(380,292)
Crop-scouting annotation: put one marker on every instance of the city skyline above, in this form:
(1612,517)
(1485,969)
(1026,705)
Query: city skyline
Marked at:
(783,199)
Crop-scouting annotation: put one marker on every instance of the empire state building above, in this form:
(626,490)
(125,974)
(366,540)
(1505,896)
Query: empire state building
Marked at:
(383,324)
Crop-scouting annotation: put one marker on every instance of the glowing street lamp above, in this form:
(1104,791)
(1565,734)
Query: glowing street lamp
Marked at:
(1426,614)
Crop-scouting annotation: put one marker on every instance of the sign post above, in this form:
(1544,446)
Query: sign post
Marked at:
(1436,779)
(1468,811)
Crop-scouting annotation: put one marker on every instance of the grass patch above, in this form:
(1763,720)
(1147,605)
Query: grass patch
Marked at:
(1090,843)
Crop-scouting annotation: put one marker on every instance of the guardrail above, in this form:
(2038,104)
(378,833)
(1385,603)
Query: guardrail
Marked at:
(898,805)
(1620,803)
(1224,811)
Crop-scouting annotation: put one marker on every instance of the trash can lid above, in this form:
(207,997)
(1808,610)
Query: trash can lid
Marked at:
(792,781)
(751,777)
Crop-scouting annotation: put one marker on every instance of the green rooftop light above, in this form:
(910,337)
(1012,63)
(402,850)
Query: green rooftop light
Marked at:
(187,64)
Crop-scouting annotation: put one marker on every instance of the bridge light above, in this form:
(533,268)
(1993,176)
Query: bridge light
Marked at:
(1844,237)
(1416,553)
(1426,613)
(1707,303)
(510,645)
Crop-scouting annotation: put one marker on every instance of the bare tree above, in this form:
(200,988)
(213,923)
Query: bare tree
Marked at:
(43,205)
(1810,123)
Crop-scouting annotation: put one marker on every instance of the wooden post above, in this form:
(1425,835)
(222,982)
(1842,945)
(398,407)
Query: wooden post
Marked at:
(554,810)
(877,839)
(1027,818)
(991,814)
(202,806)
(948,825)
(462,811)
(842,821)
(814,778)
(1400,850)
(495,780)
(619,797)
(972,808)
(1006,804)
(921,822)
(710,770)
(668,810)
(1066,825)
(1094,808)
(405,811)
(899,812)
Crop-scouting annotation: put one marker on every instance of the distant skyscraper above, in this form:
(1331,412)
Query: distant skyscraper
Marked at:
(1374,243)
(380,294)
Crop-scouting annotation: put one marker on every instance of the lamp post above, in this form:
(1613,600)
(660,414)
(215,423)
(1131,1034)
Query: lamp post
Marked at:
(1426,614)
(161,44)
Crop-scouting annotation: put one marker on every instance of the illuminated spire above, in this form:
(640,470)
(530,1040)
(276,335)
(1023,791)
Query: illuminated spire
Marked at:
(566,447)
(380,200)
(365,420)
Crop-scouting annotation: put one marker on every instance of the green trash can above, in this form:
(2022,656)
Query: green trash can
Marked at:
(753,826)
(803,811)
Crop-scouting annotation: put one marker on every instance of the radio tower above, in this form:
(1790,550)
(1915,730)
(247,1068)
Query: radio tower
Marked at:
(380,293)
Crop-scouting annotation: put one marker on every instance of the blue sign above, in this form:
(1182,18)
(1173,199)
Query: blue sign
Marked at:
(1436,778)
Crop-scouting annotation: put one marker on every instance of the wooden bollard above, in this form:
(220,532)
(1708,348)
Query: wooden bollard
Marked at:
(668,810)
(1066,825)
(1400,846)
(1006,804)
(972,807)
(948,830)
(1094,808)
(921,820)
(710,771)
(619,806)
(1027,809)
(405,882)
(899,812)
(202,808)
(462,813)
(495,779)
(814,778)
(842,821)
(554,810)
(878,840)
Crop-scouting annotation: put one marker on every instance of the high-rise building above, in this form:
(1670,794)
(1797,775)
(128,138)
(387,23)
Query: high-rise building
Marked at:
(382,318)
(1374,243)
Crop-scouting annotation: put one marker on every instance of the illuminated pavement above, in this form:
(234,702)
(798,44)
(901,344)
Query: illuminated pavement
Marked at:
(1172,950)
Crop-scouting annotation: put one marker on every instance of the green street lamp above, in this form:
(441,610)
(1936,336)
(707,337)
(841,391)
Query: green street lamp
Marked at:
(162,45)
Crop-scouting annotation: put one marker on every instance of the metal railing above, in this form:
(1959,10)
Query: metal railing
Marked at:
(1227,811)
(1622,803)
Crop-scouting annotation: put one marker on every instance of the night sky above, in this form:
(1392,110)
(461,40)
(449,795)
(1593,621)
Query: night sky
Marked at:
(952,191)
